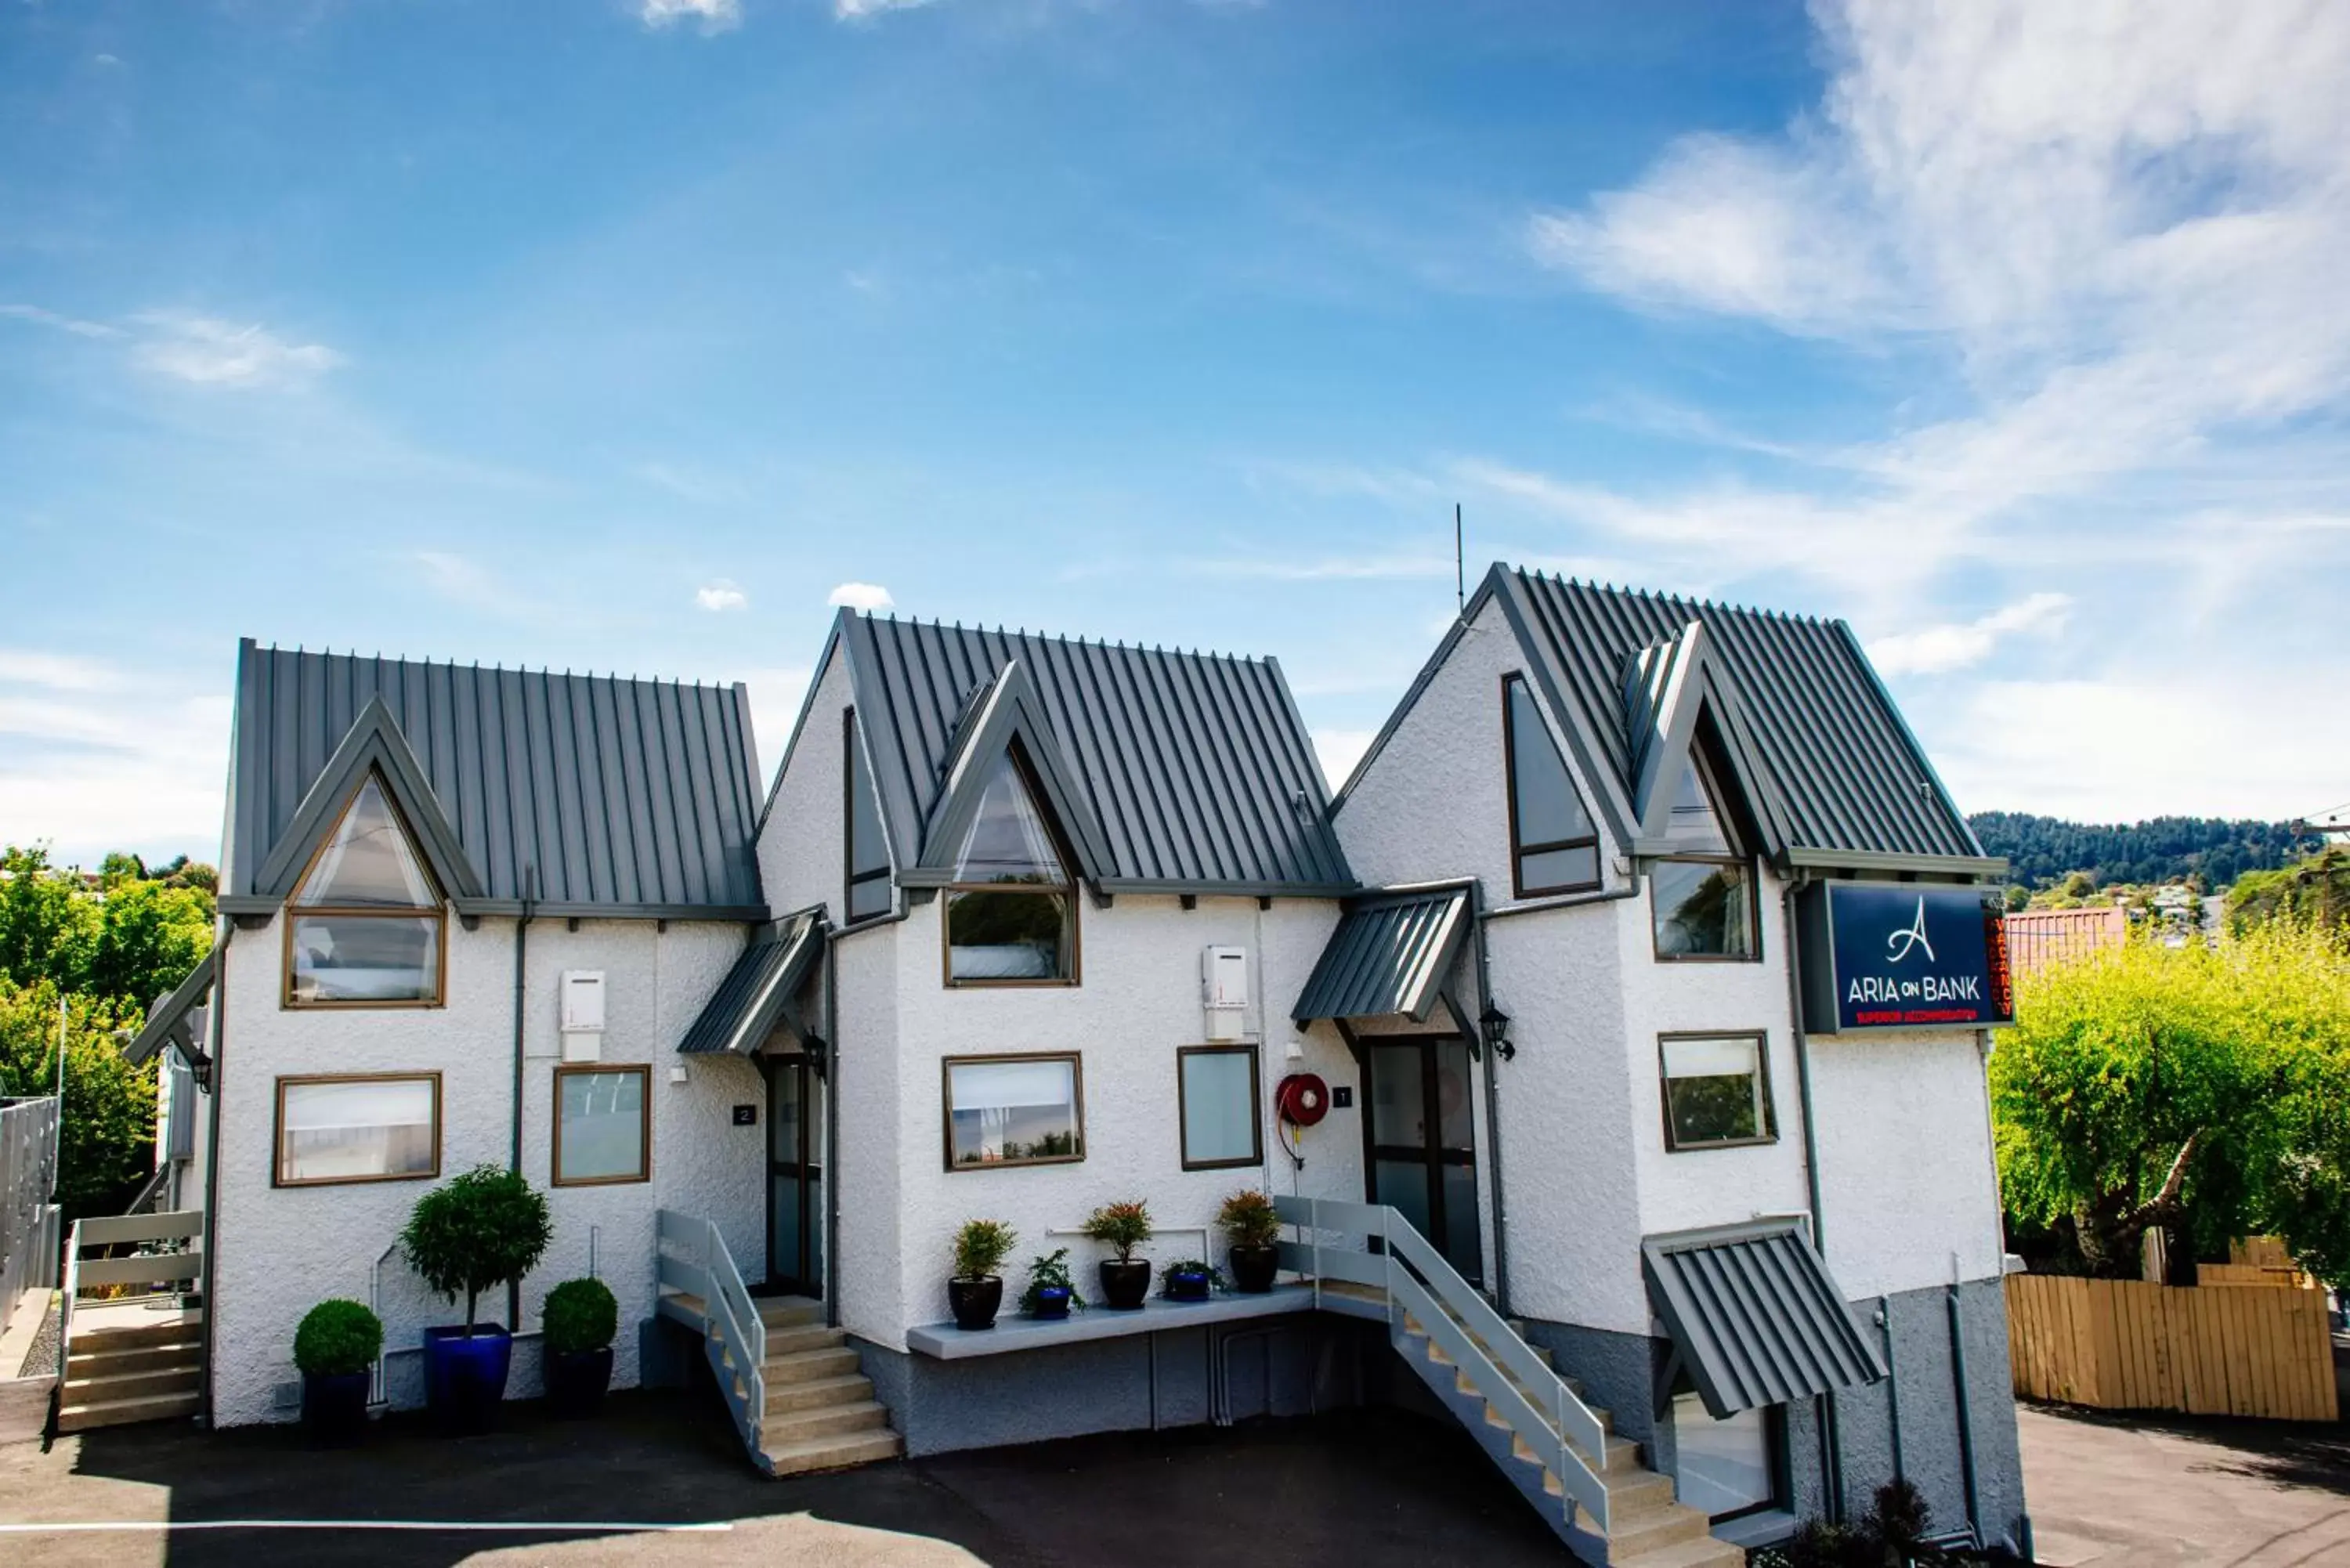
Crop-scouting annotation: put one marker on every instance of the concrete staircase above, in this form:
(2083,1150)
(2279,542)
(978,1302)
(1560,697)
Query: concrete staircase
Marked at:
(118,1371)
(820,1413)
(1648,1526)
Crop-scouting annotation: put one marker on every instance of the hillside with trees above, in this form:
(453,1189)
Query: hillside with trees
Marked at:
(2041,850)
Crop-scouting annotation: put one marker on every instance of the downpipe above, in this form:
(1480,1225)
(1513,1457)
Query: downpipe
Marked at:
(1831,1441)
(522,949)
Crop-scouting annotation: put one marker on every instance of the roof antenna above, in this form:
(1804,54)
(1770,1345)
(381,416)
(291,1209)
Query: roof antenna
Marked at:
(1460,568)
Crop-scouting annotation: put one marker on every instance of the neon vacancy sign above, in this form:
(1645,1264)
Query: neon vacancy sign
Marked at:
(1902,955)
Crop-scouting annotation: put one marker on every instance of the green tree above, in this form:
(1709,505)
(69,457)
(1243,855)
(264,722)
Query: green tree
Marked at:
(2316,889)
(150,936)
(110,1104)
(2202,1090)
(48,925)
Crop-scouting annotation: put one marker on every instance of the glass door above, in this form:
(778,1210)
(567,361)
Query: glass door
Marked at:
(794,1177)
(1423,1146)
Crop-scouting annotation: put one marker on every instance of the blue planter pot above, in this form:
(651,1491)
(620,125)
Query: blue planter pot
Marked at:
(465,1379)
(1052,1304)
(1188,1285)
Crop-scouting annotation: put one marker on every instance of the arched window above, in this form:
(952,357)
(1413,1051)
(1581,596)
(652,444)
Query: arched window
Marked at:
(1554,847)
(365,927)
(1011,913)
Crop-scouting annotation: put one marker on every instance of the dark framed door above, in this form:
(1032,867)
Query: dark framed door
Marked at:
(794,1177)
(1422,1153)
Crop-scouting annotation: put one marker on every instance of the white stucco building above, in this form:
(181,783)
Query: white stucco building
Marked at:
(1024,926)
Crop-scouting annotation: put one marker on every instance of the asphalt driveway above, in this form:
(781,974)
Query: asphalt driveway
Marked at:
(1366,1489)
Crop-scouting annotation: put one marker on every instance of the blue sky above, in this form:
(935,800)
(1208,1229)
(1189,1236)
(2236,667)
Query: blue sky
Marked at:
(628,333)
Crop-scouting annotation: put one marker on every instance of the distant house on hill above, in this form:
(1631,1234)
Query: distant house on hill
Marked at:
(2037,939)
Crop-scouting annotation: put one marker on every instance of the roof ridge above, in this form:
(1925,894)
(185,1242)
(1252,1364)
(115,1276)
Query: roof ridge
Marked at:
(1066,639)
(496,668)
(1671,598)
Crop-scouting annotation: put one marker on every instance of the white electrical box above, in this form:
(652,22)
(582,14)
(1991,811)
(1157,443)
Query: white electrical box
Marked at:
(1223,988)
(583,1001)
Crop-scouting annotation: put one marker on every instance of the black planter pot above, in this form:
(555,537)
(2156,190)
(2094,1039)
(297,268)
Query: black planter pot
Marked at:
(465,1379)
(1188,1286)
(1052,1304)
(1124,1286)
(1254,1269)
(975,1301)
(576,1381)
(334,1408)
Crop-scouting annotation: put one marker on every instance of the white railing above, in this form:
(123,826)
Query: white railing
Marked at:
(1543,1413)
(178,1267)
(691,1257)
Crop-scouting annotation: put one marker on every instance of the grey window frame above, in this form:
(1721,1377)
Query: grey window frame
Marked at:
(1520,851)
(1769,1114)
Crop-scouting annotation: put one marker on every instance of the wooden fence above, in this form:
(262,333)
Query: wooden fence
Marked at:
(2119,1344)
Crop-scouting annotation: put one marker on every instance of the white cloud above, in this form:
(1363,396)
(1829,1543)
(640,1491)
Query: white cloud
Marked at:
(1935,649)
(50,319)
(859,10)
(209,351)
(861,596)
(714,15)
(720,596)
(1340,749)
(776,697)
(56,672)
(99,757)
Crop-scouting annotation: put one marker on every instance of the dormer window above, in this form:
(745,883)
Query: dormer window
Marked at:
(365,927)
(1554,847)
(866,894)
(1011,913)
(1703,895)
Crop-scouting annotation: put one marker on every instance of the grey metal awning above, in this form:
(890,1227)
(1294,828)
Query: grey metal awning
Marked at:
(756,994)
(1391,953)
(167,1019)
(1755,1315)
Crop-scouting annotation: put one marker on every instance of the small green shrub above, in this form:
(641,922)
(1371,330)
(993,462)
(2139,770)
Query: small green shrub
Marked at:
(580,1314)
(475,1231)
(338,1337)
(1248,1219)
(1050,1271)
(1121,1227)
(980,1247)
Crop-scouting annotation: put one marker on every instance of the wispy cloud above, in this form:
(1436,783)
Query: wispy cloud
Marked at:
(720,596)
(95,756)
(860,596)
(56,672)
(209,351)
(50,319)
(1340,749)
(1936,649)
(711,15)
(860,10)
(461,580)
(1327,569)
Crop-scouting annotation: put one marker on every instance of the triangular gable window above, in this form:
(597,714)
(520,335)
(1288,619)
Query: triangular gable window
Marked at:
(1697,825)
(366,928)
(1553,847)
(370,863)
(1011,917)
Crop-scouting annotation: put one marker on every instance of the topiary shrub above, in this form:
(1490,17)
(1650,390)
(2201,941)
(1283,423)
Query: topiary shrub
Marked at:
(338,1338)
(475,1231)
(980,1247)
(1122,1227)
(580,1314)
(1249,1220)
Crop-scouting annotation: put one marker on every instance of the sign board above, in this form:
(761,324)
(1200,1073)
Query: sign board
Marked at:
(1902,955)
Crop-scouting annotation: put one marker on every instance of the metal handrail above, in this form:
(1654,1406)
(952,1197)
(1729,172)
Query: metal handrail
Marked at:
(709,1275)
(1420,1283)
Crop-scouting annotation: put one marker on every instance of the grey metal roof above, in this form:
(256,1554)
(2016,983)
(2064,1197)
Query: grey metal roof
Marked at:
(1390,954)
(167,1019)
(1196,768)
(1754,1315)
(757,993)
(613,796)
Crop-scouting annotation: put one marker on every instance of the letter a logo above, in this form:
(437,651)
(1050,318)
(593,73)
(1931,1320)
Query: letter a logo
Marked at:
(1900,944)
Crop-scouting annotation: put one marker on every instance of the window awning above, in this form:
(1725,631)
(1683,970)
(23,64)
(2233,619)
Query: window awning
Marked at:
(1755,1315)
(757,992)
(168,1020)
(1391,953)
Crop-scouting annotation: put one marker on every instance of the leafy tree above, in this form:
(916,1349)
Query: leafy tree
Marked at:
(2042,849)
(48,927)
(110,1104)
(150,936)
(2202,1090)
(121,865)
(2316,889)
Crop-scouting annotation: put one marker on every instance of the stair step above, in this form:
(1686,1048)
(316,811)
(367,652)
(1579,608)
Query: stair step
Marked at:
(107,1387)
(1704,1552)
(817,1392)
(122,1412)
(152,1358)
(789,1312)
(835,1452)
(806,1365)
(1653,1528)
(823,1420)
(173,1329)
(787,1341)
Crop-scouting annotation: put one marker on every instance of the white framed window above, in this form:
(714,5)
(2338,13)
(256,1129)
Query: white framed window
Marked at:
(1717,1090)
(603,1126)
(1014,1110)
(1217,1107)
(357,1127)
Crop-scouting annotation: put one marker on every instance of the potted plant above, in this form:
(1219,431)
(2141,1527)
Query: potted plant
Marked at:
(581,1318)
(474,1232)
(974,1290)
(1122,1227)
(335,1347)
(1249,1222)
(1190,1280)
(1051,1293)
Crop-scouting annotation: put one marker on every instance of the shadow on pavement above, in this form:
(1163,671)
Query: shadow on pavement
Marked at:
(2287,1453)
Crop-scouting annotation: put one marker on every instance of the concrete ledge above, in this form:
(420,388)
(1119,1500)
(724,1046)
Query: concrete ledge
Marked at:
(945,1342)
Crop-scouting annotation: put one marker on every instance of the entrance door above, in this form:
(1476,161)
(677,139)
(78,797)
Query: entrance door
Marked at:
(1423,1147)
(794,1177)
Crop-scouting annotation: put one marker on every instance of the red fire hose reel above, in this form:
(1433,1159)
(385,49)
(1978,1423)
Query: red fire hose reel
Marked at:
(1302,1100)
